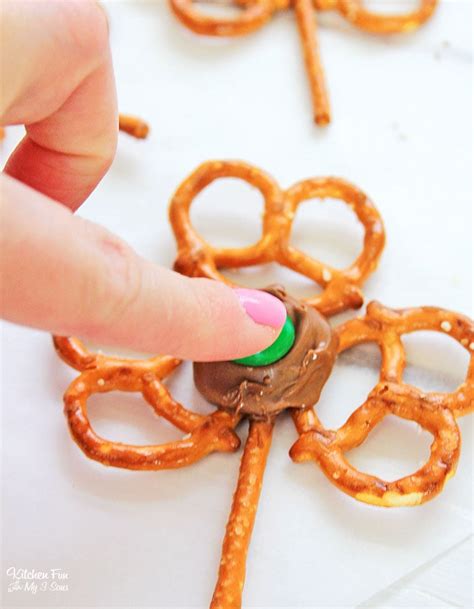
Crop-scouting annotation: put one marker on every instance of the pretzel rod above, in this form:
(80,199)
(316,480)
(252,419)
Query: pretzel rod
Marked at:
(230,583)
(134,126)
(307,25)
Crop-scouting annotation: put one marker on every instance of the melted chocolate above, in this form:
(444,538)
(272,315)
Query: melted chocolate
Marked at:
(295,381)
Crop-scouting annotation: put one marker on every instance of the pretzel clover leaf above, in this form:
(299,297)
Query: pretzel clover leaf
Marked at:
(101,374)
(341,288)
(436,412)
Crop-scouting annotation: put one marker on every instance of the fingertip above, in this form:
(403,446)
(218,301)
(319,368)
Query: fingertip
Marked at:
(263,308)
(233,323)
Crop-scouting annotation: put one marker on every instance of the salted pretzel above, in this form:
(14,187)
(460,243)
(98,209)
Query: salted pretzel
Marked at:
(255,14)
(197,258)
(435,412)
(101,374)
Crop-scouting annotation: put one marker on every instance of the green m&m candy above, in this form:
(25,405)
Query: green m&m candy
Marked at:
(275,351)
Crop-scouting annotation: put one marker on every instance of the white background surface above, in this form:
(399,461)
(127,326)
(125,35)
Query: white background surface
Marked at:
(401,132)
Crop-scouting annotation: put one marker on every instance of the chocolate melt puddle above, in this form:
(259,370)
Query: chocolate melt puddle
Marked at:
(294,381)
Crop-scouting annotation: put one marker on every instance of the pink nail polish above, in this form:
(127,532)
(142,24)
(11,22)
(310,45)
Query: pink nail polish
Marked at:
(262,307)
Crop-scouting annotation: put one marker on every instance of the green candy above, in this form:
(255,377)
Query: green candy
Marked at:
(275,351)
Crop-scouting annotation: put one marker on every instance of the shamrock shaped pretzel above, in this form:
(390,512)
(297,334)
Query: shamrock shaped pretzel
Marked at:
(436,412)
(255,14)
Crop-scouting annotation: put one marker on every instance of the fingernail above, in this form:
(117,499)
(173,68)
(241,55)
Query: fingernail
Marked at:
(262,307)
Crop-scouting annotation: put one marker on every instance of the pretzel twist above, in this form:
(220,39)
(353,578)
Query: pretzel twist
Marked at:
(197,258)
(100,374)
(434,411)
(255,14)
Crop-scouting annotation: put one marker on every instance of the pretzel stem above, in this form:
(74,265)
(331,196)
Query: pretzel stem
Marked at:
(134,126)
(306,19)
(230,582)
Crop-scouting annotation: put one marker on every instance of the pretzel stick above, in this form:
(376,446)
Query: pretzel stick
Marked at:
(134,126)
(307,24)
(230,582)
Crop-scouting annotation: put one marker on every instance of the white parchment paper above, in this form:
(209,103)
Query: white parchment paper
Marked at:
(400,132)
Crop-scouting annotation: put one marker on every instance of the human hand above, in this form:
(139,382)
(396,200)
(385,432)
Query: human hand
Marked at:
(60,272)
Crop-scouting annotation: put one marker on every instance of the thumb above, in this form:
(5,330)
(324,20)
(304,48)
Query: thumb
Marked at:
(69,276)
